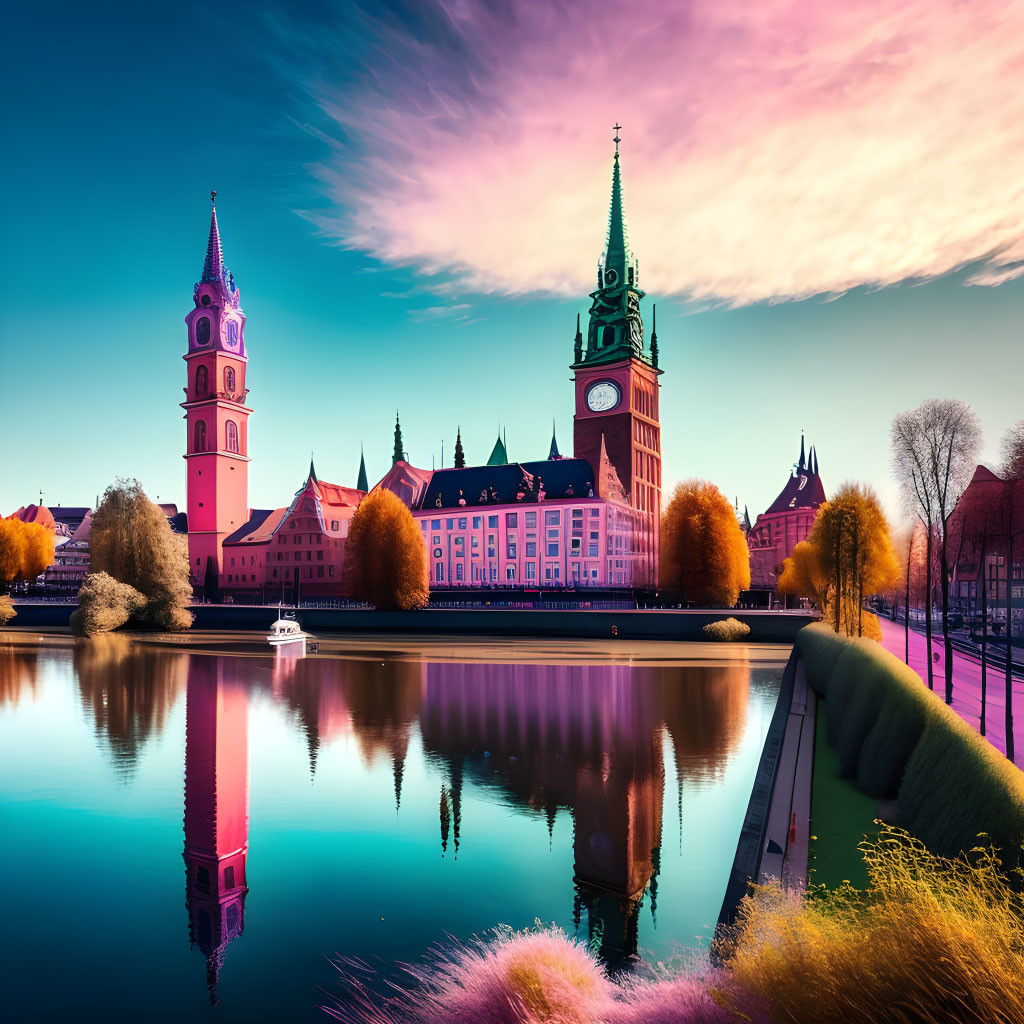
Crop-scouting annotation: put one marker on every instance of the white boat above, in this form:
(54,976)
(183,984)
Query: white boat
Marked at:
(286,631)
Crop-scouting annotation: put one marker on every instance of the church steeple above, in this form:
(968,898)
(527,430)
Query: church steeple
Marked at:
(460,454)
(802,464)
(399,453)
(553,452)
(213,268)
(362,484)
(616,330)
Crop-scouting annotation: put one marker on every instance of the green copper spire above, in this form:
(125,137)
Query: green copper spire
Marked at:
(312,471)
(399,453)
(362,484)
(499,454)
(617,256)
(616,330)
(460,455)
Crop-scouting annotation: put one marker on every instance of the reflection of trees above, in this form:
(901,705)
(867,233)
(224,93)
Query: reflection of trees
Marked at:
(18,670)
(705,711)
(378,701)
(129,691)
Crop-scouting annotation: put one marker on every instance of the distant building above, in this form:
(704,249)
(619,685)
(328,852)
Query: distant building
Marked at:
(295,552)
(787,521)
(977,528)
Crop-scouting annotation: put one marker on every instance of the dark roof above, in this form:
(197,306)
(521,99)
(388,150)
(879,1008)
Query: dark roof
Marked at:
(72,515)
(803,489)
(179,522)
(561,478)
(256,520)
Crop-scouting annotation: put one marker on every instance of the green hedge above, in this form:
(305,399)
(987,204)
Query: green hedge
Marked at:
(898,739)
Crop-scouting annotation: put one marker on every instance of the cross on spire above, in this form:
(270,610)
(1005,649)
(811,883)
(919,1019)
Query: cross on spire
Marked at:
(616,140)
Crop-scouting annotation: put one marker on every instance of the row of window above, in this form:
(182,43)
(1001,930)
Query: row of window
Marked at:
(552,517)
(230,437)
(203,380)
(643,401)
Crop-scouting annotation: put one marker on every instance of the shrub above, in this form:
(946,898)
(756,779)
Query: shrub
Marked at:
(726,630)
(929,941)
(104,604)
(529,977)
(898,738)
(7,611)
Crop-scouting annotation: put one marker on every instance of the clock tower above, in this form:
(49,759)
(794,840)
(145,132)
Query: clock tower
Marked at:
(616,377)
(216,416)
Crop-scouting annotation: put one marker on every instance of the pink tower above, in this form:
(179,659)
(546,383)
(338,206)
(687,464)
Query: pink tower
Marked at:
(216,810)
(216,416)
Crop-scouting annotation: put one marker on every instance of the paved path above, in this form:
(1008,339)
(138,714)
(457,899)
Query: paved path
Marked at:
(966,686)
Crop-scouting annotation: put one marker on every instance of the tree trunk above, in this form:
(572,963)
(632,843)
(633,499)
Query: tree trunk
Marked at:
(928,605)
(906,610)
(947,646)
(1009,614)
(984,634)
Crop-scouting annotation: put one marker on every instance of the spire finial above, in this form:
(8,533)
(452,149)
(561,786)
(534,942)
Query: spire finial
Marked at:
(213,267)
(618,128)
(213,197)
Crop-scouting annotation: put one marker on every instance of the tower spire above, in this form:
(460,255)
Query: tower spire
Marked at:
(654,335)
(578,342)
(399,453)
(362,484)
(803,458)
(553,450)
(616,251)
(460,455)
(213,268)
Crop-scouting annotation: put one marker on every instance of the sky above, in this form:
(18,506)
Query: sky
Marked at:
(826,202)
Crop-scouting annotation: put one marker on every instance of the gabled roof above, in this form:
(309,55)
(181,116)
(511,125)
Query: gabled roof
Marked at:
(408,482)
(479,486)
(338,496)
(260,527)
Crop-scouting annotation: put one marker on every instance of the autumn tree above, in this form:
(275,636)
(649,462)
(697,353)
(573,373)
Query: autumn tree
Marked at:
(846,559)
(909,547)
(934,449)
(385,556)
(26,549)
(131,540)
(704,554)
(1011,528)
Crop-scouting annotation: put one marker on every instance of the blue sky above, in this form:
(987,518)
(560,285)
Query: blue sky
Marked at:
(124,116)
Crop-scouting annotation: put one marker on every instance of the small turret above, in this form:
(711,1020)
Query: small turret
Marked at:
(578,343)
(362,484)
(654,336)
(460,455)
(553,452)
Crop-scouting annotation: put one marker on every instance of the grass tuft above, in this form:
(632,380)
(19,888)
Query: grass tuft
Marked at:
(726,630)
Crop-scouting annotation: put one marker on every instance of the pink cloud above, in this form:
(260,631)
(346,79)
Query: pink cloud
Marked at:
(770,151)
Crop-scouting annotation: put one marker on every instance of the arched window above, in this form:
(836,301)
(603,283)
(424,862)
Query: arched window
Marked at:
(203,331)
(229,379)
(202,381)
(232,436)
(199,444)
(608,337)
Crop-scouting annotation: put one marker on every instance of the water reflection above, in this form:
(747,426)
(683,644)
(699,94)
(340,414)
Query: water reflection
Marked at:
(18,672)
(216,808)
(128,690)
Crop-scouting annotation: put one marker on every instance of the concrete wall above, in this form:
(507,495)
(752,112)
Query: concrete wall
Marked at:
(765,627)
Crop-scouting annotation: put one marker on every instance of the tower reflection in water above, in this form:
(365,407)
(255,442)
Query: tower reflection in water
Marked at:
(589,739)
(216,808)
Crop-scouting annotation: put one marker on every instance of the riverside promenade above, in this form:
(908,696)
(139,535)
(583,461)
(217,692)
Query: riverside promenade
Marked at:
(966,686)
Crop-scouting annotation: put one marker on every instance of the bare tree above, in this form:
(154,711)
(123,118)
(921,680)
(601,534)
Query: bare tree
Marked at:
(934,453)
(1012,523)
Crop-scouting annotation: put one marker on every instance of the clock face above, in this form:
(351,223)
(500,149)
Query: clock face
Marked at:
(603,396)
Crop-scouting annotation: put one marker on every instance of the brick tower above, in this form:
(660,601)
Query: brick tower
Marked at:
(616,378)
(216,416)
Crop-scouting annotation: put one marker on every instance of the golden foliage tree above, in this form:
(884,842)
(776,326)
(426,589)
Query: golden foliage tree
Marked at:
(26,549)
(704,554)
(104,604)
(847,558)
(385,557)
(131,540)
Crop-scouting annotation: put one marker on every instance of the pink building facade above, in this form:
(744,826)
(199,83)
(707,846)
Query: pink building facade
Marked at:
(787,522)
